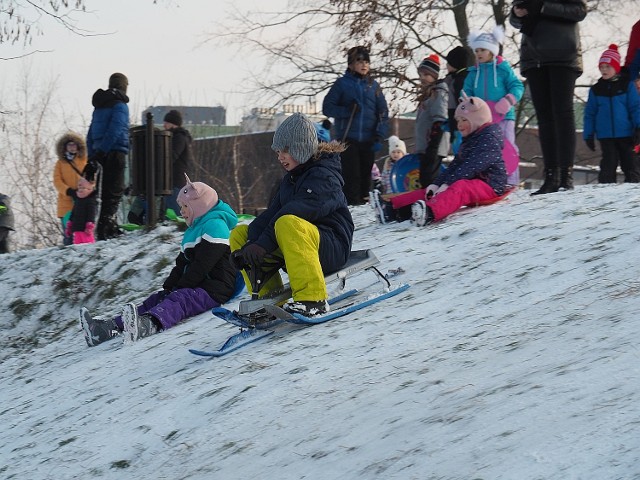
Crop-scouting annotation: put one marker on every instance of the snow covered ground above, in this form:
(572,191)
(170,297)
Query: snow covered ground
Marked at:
(513,355)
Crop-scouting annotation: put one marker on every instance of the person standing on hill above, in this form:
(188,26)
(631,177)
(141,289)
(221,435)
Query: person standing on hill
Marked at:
(612,114)
(108,146)
(181,155)
(72,159)
(551,60)
(358,106)
(6,222)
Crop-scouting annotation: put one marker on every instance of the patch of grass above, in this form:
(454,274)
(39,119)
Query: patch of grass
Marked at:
(162,263)
(121,464)
(20,308)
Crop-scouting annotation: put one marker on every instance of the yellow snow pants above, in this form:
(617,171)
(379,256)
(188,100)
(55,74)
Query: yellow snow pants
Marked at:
(299,244)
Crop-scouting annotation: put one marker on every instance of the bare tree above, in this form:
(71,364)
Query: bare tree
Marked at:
(26,161)
(21,20)
(399,33)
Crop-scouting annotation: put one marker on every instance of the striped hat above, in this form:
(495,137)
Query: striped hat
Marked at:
(611,57)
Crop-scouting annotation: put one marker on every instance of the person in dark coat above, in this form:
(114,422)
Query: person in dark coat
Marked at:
(202,278)
(181,155)
(307,224)
(108,145)
(81,224)
(551,60)
(459,59)
(361,115)
(6,222)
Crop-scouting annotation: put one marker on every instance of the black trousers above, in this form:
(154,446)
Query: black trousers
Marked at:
(618,151)
(113,166)
(357,162)
(552,96)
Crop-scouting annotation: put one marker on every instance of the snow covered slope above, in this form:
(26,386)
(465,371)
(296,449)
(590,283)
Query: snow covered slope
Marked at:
(514,355)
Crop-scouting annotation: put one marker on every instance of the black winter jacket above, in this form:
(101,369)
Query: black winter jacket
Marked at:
(182,156)
(550,34)
(313,192)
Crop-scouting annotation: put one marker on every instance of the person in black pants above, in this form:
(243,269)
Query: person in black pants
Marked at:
(551,60)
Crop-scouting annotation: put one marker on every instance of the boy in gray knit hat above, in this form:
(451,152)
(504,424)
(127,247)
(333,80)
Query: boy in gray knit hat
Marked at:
(307,226)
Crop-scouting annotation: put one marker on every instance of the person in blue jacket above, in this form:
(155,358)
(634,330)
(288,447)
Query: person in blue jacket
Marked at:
(108,145)
(361,116)
(612,115)
(307,225)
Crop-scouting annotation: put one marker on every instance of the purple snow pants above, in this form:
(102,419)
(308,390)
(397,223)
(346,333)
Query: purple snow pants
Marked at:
(175,307)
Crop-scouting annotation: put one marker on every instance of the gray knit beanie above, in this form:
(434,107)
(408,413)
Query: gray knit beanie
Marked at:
(298,136)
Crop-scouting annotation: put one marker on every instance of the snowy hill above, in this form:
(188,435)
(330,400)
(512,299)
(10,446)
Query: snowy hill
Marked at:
(512,356)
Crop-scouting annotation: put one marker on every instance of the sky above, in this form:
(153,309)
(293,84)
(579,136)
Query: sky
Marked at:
(160,48)
(513,355)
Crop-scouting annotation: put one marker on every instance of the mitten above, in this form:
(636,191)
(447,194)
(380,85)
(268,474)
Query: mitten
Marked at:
(503,105)
(442,188)
(591,143)
(431,191)
(253,253)
(89,227)
(71,193)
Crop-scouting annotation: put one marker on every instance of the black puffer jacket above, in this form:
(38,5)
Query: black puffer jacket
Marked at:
(550,34)
(182,155)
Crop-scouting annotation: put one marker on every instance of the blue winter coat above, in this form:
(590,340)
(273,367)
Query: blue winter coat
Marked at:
(612,110)
(204,255)
(370,121)
(480,156)
(313,192)
(492,81)
(109,129)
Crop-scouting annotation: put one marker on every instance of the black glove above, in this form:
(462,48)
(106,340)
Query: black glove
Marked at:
(436,129)
(71,193)
(253,254)
(90,169)
(591,143)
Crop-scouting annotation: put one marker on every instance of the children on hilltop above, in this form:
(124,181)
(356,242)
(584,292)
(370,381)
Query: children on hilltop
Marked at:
(493,80)
(431,116)
(82,221)
(202,278)
(612,115)
(477,173)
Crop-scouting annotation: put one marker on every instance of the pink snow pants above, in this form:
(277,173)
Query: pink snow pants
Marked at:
(460,194)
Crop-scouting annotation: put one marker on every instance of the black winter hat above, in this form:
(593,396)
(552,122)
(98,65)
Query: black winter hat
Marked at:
(119,81)
(460,57)
(356,53)
(174,117)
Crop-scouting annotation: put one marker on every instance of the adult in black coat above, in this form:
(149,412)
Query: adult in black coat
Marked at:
(551,60)
(181,155)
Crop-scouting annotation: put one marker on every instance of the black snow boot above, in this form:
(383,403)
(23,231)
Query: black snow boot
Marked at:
(551,182)
(566,178)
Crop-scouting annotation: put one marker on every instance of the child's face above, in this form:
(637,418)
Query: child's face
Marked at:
(396,154)
(360,66)
(286,160)
(72,147)
(185,213)
(483,55)
(464,126)
(426,78)
(607,71)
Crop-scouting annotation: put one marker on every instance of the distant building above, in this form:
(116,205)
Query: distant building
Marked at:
(190,115)
(267,119)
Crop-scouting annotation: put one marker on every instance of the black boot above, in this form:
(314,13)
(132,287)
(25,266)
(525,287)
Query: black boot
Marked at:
(551,182)
(566,178)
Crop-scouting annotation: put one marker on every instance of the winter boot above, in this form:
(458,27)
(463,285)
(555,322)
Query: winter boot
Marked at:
(551,182)
(306,307)
(97,330)
(137,326)
(421,215)
(566,178)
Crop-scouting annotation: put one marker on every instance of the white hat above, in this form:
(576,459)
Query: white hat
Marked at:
(396,144)
(488,41)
